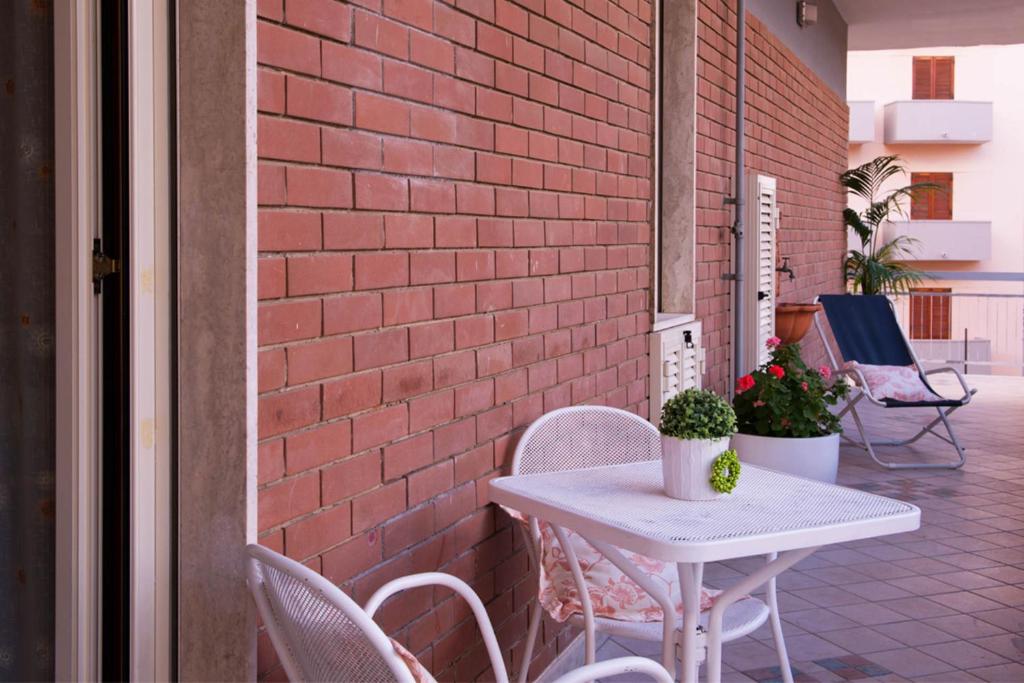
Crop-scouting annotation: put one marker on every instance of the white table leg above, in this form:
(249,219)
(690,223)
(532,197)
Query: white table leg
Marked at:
(691,577)
(777,636)
(734,593)
(657,592)
(590,637)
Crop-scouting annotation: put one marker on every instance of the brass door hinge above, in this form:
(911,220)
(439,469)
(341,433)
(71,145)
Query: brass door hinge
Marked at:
(102,266)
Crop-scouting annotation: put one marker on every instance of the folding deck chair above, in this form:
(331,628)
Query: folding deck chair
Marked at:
(867,331)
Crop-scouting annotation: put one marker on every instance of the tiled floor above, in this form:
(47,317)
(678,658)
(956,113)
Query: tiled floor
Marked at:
(945,603)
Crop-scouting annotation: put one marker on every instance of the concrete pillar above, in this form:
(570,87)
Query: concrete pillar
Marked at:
(216,314)
(678,174)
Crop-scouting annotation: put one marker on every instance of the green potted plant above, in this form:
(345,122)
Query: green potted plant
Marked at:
(877,267)
(695,460)
(783,417)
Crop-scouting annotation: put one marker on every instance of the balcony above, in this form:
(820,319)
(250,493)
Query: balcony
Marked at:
(944,240)
(862,122)
(946,122)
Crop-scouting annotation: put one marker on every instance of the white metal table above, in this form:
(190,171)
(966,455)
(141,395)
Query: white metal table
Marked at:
(624,506)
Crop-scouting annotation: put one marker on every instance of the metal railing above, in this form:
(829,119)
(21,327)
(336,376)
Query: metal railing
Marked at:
(978,333)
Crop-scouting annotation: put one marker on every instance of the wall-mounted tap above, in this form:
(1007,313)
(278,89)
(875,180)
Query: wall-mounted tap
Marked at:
(784,268)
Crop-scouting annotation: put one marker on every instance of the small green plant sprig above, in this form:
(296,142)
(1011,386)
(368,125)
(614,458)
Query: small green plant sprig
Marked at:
(697,414)
(725,472)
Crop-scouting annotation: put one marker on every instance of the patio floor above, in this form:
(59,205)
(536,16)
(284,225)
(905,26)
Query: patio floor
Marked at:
(945,603)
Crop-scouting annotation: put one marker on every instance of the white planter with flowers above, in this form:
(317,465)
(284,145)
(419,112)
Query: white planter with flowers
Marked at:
(696,462)
(783,416)
(815,457)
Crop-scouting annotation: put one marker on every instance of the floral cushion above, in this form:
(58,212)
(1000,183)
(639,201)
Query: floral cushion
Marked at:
(418,671)
(897,382)
(613,595)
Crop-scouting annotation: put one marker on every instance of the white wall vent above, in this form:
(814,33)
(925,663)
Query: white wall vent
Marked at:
(677,363)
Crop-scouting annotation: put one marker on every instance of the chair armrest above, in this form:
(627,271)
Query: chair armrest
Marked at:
(968,392)
(613,667)
(463,589)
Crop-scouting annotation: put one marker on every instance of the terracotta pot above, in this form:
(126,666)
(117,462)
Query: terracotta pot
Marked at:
(793,320)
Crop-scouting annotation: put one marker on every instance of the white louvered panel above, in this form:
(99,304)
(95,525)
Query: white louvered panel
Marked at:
(676,360)
(762,219)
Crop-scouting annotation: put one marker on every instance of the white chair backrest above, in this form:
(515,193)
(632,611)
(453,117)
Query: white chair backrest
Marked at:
(318,632)
(585,436)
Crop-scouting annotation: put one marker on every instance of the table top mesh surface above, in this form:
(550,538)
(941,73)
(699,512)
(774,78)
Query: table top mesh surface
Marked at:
(632,498)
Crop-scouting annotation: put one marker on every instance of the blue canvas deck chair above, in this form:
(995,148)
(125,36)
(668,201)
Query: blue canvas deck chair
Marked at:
(867,332)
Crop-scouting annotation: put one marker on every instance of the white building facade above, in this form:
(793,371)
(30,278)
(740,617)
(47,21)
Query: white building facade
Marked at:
(954,115)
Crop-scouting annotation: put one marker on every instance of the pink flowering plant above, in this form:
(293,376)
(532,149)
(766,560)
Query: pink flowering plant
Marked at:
(785,398)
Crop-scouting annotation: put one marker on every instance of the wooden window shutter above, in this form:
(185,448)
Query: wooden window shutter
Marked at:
(930,313)
(933,78)
(762,217)
(942,78)
(922,78)
(934,204)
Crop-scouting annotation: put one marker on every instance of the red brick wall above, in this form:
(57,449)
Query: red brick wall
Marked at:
(797,132)
(453,238)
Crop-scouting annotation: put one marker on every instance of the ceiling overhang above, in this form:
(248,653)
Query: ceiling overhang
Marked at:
(896,24)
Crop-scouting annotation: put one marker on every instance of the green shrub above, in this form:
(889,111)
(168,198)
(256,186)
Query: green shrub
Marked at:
(697,414)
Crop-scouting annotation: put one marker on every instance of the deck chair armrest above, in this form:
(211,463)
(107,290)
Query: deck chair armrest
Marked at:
(465,592)
(960,378)
(614,667)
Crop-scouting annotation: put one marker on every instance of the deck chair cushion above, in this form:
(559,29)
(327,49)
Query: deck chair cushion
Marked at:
(613,595)
(418,671)
(898,383)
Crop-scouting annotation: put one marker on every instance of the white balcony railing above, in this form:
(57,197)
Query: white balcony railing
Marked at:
(944,240)
(862,122)
(976,333)
(938,122)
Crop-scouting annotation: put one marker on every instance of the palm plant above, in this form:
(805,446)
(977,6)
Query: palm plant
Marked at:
(876,268)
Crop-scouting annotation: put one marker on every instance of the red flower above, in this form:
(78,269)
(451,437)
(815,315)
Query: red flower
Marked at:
(777,371)
(803,385)
(772,342)
(744,383)
(825,371)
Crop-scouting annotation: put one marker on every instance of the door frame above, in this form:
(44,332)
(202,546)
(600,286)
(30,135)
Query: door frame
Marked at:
(76,637)
(151,341)
(151,460)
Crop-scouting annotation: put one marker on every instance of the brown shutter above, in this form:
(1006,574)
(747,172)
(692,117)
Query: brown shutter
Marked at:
(934,204)
(941,208)
(930,313)
(942,78)
(919,202)
(922,78)
(933,78)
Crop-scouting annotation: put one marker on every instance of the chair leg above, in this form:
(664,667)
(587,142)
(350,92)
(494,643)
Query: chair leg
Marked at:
(531,640)
(869,445)
(776,621)
(952,435)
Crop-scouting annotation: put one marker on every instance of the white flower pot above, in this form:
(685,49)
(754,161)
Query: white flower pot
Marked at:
(815,457)
(686,466)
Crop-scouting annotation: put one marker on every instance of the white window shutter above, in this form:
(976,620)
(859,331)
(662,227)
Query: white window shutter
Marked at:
(677,362)
(759,283)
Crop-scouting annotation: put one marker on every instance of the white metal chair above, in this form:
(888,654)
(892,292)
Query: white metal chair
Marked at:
(867,331)
(595,436)
(321,634)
